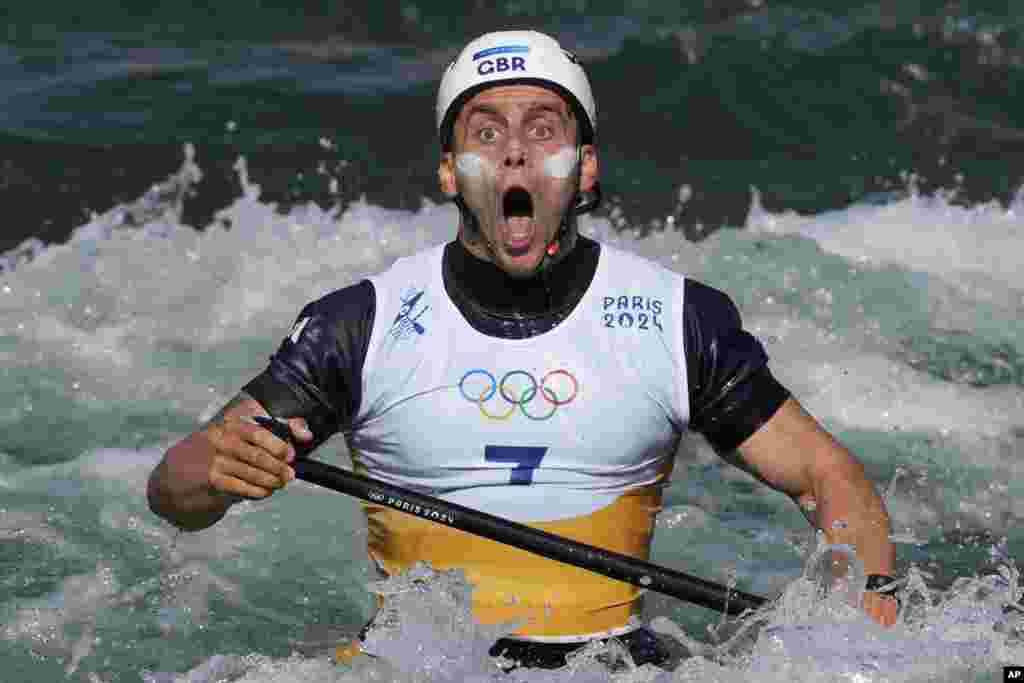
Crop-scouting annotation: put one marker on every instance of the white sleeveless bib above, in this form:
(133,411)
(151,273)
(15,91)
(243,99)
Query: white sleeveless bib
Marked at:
(555,426)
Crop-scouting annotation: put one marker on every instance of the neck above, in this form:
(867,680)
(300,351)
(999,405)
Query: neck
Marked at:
(475,283)
(482,249)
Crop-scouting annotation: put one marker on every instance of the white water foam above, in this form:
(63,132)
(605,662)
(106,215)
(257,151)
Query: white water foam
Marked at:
(810,634)
(978,247)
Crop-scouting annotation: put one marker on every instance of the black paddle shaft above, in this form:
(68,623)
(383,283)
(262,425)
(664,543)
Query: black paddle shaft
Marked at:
(611,564)
(554,547)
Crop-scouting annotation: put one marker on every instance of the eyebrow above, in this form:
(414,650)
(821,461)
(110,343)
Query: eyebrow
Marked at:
(533,108)
(542,107)
(483,109)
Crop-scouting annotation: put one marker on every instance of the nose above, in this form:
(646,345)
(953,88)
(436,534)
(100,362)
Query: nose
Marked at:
(515,153)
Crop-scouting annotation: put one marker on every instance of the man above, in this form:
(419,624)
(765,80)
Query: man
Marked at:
(526,371)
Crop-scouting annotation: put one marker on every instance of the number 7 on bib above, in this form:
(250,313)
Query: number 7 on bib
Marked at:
(526,459)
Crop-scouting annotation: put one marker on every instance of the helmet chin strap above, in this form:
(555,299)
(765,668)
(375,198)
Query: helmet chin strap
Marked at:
(565,238)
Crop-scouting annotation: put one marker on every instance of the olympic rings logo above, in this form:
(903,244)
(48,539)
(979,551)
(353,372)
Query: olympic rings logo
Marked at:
(519,388)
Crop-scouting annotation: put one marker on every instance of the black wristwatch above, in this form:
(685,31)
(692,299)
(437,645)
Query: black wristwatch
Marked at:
(877,583)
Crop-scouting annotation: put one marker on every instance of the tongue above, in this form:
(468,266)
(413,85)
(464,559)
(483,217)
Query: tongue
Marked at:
(520,232)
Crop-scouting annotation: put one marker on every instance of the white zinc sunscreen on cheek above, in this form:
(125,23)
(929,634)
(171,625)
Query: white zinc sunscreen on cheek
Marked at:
(473,166)
(561,164)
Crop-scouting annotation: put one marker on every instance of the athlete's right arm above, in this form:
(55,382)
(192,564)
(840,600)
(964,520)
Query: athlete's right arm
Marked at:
(229,459)
(314,380)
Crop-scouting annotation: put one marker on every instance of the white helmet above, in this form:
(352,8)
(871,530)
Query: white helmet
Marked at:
(510,57)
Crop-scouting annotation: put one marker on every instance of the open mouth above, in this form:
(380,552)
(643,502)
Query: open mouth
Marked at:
(517,203)
(517,207)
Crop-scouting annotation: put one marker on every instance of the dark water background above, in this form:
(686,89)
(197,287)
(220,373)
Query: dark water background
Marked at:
(816,107)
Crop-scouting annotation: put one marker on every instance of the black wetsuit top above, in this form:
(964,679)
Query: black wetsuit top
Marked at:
(732,392)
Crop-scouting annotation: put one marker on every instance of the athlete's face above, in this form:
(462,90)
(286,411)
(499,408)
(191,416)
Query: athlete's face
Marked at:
(514,162)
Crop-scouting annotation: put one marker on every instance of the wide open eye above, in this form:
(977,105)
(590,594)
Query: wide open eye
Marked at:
(487,135)
(517,202)
(541,131)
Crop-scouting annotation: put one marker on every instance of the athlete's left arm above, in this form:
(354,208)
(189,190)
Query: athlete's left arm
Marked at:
(791,452)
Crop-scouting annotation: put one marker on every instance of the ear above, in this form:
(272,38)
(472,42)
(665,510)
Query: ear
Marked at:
(588,168)
(446,174)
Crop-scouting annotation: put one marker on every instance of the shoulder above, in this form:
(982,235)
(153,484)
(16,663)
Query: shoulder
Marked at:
(355,300)
(709,307)
(350,312)
(713,334)
(315,371)
(344,316)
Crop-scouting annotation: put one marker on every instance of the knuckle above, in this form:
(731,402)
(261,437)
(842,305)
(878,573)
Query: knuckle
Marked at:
(216,468)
